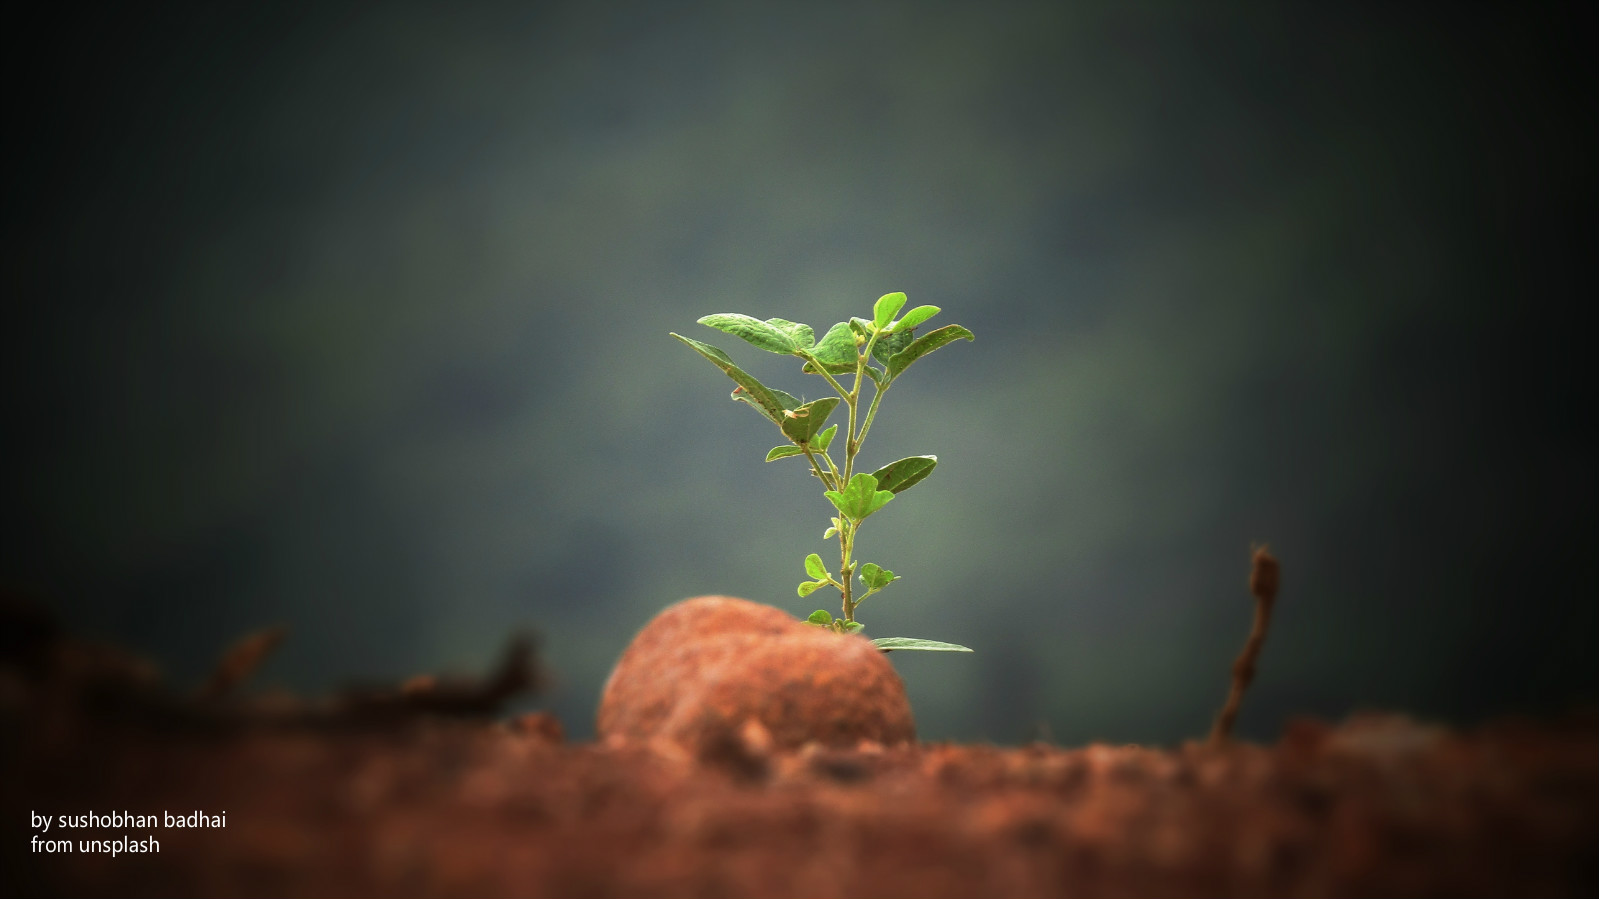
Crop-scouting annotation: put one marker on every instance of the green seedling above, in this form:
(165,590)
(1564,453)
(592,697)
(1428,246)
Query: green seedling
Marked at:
(846,350)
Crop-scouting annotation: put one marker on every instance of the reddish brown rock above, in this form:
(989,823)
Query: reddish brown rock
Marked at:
(705,667)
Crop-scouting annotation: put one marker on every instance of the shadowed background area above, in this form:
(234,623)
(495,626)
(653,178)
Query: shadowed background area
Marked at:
(355,319)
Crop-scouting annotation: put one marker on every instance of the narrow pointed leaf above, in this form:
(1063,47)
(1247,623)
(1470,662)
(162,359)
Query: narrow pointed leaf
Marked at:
(904,473)
(916,317)
(821,616)
(758,333)
(808,419)
(889,644)
(786,400)
(763,398)
(925,344)
(886,307)
(828,534)
(802,335)
(783,452)
(814,566)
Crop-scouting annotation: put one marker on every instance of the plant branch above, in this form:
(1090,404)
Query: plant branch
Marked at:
(806,355)
(817,467)
(871,411)
(1263,582)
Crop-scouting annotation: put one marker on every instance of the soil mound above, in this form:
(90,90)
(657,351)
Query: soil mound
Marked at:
(716,670)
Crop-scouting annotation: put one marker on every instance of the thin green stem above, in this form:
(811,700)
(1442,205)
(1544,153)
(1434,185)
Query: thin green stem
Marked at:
(831,467)
(871,411)
(842,393)
(853,442)
(846,540)
(816,466)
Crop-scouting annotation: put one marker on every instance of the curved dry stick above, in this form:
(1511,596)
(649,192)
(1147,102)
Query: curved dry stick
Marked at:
(1263,581)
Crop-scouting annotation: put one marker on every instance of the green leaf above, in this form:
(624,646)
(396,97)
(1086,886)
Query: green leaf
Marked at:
(893,342)
(806,588)
(916,316)
(925,344)
(851,627)
(900,475)
(783,452)
(786,400)
(825,439)
(836,351)
(888,644)
(814,566)
(860,497)
(763,398)
(822,617)
(886,307)
(765,335)
(802,335)
(801,424)
(828,534)
(877,577)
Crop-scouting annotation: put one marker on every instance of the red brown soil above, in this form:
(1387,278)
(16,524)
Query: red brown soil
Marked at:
(720,669)
(343,804)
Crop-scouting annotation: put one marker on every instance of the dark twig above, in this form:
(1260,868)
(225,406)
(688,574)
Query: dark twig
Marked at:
(239,662)
(1263,581)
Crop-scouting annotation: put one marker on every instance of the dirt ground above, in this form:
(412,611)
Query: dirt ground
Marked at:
(421,792)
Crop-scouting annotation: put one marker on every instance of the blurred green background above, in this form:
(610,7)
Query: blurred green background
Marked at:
(355,318)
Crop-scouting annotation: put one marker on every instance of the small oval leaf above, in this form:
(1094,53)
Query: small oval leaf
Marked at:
(889,644)
(783,452)
(814,566)
(821,616)
(916,316)
(806,588)
(875,577)
(886,307)
(825,439)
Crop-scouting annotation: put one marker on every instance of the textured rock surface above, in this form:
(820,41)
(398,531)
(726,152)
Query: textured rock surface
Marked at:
(705,668)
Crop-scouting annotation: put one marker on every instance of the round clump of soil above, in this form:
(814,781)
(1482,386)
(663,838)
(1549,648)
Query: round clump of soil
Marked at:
(715,666)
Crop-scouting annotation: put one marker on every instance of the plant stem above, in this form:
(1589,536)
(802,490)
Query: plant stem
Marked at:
(871,411)
(846,541)
(852,445)
(817,467)
(825,373)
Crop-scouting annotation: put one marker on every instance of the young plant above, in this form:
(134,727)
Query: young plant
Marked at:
(846,350)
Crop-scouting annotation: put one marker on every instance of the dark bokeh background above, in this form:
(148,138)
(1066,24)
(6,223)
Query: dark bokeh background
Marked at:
(355,319)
